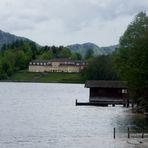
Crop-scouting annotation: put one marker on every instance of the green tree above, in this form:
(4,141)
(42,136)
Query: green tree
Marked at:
(76,56)
(131,58)
(21,61)
(16,56)
(55,51)
(3,75)
(46,55)
(64,53)
(89,54)
(99,68)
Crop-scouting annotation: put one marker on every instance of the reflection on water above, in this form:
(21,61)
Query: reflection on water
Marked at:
(136,123)
(42,115)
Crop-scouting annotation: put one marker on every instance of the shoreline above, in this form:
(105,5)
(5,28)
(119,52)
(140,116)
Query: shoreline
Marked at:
(32,77)
(25,81)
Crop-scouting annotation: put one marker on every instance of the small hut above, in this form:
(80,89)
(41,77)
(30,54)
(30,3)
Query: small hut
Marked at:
(107,92)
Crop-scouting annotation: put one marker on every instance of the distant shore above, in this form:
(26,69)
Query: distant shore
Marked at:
(34,77)
(22,81)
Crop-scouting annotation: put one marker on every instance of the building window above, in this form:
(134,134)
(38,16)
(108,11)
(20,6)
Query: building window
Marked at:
(124,91)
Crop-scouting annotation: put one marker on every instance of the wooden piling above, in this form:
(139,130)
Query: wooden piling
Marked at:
(114,133)
(146,116)
(127,103)
(142,133)
(128,130)
(132,104)
(76,102)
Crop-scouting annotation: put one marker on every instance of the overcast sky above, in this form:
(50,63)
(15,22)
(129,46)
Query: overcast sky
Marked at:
(64,22)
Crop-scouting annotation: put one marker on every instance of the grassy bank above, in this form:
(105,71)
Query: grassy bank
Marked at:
(46,77)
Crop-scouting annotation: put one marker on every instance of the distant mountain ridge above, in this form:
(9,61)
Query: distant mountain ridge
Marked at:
(82,48)
(109,49)
(8,38)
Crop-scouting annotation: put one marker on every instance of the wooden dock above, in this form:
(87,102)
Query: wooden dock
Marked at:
(101,103)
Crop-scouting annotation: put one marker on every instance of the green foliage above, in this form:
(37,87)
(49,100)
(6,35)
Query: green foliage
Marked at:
(76,56)
(61,77)
(64,53)
(82,49)
(24,75)
(131,58)
(99,68)
(16,56)
(89,54)
(20,60)
(46,55)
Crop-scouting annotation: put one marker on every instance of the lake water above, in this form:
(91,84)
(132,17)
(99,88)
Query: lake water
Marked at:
(44,115)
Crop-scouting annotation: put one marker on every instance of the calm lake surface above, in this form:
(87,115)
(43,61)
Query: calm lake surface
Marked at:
(38,115)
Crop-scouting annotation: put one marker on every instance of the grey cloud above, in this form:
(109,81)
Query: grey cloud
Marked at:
(118,8)
(67,18)
(14,24)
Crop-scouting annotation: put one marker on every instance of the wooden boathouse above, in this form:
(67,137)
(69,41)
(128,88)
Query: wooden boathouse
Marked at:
(106,93)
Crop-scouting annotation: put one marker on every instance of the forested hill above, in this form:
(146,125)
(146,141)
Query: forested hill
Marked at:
(82,48)
(7,38)
(109,49)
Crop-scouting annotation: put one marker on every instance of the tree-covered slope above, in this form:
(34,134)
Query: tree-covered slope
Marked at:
(82,48)
(7,38)
(109,49)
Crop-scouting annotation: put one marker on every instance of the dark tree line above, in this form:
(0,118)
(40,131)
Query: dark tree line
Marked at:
(100,68)
(129,62)
(16,56)
(131,59)
(49,52)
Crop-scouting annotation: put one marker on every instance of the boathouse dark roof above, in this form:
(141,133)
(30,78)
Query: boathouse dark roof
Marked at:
(105,84)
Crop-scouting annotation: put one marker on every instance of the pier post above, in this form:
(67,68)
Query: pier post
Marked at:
(146,116)
(142,133)
(128,132)
(114,133)
(76,102)
(127,103)
(132,104)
